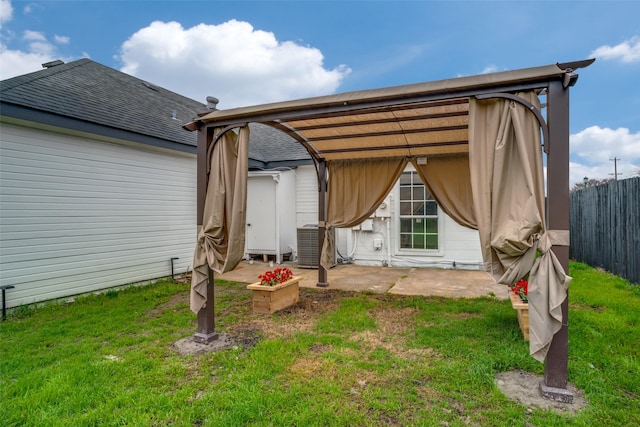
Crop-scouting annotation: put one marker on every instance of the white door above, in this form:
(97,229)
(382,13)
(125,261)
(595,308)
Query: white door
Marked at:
(261,215)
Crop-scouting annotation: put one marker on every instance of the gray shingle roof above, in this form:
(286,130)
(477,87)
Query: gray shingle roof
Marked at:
(272,147)
(90,92)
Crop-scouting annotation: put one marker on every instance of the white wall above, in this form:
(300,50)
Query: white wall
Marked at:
(79,214)
(306,195)
(457,244)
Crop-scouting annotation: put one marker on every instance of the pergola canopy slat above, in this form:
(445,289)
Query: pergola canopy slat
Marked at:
(406,112)
(402,121)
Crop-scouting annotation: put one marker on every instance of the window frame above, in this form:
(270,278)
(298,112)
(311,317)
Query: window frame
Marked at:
(398,221)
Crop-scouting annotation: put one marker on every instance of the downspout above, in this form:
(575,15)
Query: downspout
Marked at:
(387,220)
(276,178)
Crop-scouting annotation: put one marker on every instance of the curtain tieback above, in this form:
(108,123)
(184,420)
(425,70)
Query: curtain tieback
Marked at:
(553,238)
(559,237)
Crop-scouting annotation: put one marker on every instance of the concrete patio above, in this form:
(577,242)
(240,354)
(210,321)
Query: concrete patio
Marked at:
(403,281)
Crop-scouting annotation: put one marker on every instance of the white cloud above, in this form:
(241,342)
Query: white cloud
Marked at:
(593,148)
(596,143)
(489,69)
(34,35)
(6,11)
(231,61)
(44,48)
(17,62)
(627,51)
(61,39)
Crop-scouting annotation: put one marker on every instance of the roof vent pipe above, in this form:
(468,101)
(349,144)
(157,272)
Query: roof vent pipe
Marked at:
(212,103)
(52,63)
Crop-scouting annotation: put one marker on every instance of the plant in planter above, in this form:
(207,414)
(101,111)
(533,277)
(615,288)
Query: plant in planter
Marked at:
(275,277)
(276,290)
(519,301)
(521,288)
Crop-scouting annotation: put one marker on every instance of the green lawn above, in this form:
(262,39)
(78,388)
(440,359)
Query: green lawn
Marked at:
(337,358)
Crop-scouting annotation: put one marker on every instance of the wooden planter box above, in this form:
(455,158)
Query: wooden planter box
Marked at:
(523,314)
(269,299)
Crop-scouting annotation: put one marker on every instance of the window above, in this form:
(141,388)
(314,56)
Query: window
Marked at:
(418,214)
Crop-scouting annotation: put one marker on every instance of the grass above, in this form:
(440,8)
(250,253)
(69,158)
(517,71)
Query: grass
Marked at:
(335,359)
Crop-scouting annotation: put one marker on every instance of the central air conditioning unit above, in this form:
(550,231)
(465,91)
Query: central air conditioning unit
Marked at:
(308,246)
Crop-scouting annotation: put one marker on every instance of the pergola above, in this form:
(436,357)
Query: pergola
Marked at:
(475,141)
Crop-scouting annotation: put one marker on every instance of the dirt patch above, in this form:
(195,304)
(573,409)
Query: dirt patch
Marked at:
(301,317)
(579,306)
(313,367)
(391,333)
(524,387)
(392,325)
(187,346)
(247,332)
(174,301)
(394,321)
(318,348)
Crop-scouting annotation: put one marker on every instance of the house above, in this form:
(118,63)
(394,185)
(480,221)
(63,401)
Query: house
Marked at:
(407,230)
(97,189)
(96,181)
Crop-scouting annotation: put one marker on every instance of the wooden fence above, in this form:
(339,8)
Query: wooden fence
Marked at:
(605,227)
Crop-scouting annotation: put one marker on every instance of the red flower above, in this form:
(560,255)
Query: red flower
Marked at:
(521,289)
(275,277)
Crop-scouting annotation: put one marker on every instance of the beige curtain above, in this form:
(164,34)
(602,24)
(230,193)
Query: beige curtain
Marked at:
(356,189)
(221,236)
(448,180)
(508,194)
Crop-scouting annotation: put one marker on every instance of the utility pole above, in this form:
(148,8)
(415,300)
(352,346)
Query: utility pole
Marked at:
(615,168)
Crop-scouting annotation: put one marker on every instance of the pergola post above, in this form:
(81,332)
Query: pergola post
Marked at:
(206,321)
(554,385)
(322,218)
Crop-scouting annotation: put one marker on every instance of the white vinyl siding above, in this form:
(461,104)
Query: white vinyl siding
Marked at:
(455,243)
(79,215)
(461,244)
(306,196)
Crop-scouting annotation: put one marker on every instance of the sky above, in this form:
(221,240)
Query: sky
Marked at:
(255,52)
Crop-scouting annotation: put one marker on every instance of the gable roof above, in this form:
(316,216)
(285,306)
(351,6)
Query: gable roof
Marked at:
(270,148)
(86,96)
